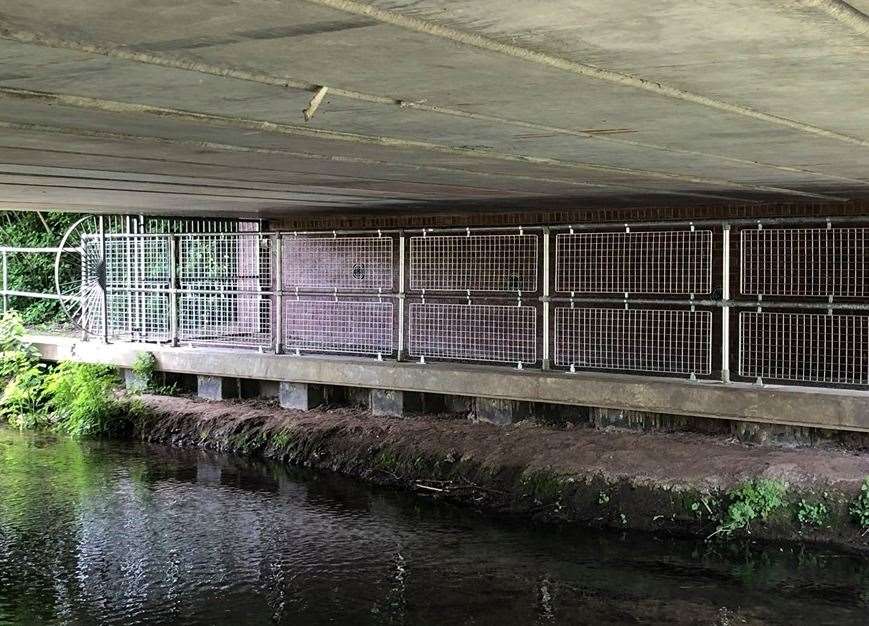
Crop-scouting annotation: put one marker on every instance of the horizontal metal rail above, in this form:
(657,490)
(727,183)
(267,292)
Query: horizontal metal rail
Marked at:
(32,294)
(22,250)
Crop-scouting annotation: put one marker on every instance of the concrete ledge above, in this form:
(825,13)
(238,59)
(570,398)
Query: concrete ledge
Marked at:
(796,406)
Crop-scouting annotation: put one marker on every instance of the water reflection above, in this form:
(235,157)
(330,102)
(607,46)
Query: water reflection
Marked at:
(119,534)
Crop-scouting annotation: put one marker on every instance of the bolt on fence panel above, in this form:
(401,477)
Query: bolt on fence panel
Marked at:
(640,340)
(337,263)
(812,262)
(808,347)
(476,263)
(473,332)
(653,262)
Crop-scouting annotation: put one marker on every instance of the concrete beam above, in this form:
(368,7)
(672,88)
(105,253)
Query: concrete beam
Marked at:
(795,406)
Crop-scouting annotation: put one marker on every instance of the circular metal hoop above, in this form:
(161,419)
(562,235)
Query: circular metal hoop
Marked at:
(79,276)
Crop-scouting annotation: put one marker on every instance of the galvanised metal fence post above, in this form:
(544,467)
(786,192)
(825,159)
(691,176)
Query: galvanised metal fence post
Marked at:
(546,357)
(725,308)
(104,310)
(173,289)
(399,353)
(5,281)
(278,298)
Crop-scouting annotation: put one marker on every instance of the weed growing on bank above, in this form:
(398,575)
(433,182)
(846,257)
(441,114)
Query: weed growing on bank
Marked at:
(22,375)
(860,507)
(82,401)
(749,502)
(814,514)
(77,399)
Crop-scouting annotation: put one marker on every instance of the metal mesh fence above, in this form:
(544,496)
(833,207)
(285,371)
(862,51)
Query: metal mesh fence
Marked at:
(480,263)
(818,348)
(349,326)
(639,340)
(658,262)
(473,332)
(219,289)
(805,262)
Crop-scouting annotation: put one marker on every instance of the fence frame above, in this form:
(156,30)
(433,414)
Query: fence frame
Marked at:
(544,295)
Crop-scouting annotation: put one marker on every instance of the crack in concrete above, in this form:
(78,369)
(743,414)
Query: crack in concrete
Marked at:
(304,131)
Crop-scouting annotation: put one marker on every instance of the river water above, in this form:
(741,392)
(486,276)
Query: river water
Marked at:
(111,533)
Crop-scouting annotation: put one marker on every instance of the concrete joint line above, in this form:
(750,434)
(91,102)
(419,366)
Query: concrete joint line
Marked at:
(113,106)
(175,62)
(580,69)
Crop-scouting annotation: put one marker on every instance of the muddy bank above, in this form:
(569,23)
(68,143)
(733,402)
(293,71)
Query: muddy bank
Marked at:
(680,483)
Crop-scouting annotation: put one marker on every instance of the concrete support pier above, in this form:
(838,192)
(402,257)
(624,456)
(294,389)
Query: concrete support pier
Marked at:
(216,388)
(134,382)
(387,403)
(500,412)
(300,396)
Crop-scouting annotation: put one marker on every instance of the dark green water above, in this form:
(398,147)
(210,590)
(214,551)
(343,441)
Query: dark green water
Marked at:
(127,534)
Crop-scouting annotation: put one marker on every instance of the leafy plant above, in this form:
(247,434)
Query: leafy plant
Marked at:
(812,513)
(34,272)
(82,398)
(144,368)
(22,402)
(860,507)
(751,501)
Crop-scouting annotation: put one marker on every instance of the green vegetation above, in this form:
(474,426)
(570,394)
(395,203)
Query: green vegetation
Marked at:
(812,513)
(22,375)
(860,507)
(77,399)
(34,272)
(82,400)
(144,367)
(751,501)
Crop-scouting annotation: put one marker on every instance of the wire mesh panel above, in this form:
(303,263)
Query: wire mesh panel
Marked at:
(641,340)
(337,263)
(805,262)
(233,319)
(483,263)
(221,280)
(136,261)
(804,346)
(350,326)
(235,262)
(659,262)
(473,332)
(137,315)
(135,272)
